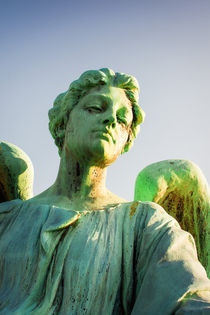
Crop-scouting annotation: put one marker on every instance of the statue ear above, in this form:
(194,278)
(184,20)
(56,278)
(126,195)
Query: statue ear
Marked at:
(60,137)
(125,149)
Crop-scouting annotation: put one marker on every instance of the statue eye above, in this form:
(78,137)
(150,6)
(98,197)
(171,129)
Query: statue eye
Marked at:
(93,109)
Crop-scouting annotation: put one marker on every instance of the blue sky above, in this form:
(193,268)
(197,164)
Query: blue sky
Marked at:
(165,44)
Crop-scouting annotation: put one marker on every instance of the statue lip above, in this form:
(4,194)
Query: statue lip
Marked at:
(106,131)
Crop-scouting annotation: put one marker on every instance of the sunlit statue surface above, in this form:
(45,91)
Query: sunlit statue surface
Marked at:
(181,188)
(79,249)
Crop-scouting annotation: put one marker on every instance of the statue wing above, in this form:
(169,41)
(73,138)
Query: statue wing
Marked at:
(181,189)
(16,173)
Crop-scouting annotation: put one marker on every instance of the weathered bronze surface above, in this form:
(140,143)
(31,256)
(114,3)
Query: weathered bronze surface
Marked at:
(79,249)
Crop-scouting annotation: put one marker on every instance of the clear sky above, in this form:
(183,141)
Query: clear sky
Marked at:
(164,44)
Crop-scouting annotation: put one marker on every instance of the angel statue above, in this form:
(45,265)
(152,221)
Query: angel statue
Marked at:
(77,248)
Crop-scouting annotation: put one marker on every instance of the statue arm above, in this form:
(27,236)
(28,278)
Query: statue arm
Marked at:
(173,281)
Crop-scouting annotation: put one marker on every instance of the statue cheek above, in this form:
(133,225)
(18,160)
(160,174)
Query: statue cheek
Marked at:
(122,136)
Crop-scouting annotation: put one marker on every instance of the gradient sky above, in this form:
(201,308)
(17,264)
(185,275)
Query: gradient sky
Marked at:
(165,44)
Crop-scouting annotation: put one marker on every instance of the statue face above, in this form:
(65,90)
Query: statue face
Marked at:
(99,125)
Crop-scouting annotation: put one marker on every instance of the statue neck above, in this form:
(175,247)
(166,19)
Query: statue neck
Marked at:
(80,180)
(79,185)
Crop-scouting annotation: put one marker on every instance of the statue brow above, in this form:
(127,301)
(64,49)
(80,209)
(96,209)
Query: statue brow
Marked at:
(99,96)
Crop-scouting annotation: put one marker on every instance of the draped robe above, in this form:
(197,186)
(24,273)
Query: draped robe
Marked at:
(129,258)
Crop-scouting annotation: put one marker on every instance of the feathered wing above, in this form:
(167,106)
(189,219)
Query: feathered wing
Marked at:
(16,173)
(182,190)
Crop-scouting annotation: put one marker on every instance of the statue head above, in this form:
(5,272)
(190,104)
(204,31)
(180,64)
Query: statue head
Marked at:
(65,102)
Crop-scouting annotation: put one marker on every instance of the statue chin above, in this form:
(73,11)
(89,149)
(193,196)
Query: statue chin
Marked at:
(97,152)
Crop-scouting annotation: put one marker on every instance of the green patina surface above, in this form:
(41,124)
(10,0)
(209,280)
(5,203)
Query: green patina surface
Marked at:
(16,173)
(182,190)
(77,248)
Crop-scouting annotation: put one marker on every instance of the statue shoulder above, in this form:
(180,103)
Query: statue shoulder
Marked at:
(150,212)
(147,221)
(8,206)
(8,213)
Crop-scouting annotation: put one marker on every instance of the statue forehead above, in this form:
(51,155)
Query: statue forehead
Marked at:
(106,92)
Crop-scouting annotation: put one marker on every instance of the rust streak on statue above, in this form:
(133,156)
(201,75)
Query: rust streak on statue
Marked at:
(133,208)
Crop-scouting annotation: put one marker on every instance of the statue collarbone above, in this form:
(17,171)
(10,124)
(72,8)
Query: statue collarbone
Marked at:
(78,203)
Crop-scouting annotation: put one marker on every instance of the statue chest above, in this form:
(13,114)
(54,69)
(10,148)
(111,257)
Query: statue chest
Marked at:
(78,267)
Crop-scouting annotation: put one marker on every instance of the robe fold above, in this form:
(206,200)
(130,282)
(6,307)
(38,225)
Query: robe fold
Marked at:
(129,258)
